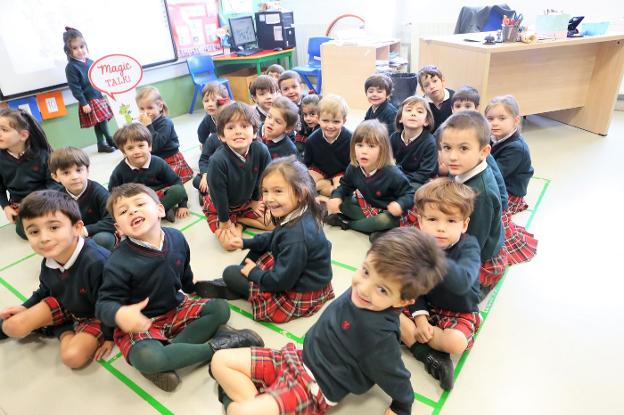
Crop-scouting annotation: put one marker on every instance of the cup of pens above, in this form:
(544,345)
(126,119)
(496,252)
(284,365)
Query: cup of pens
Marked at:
(510,28)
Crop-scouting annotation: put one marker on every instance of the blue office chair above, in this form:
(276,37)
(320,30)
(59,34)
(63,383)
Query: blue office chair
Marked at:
(313,68)
(202,70)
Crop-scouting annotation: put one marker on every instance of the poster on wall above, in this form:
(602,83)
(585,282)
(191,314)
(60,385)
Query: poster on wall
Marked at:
(237,6)
(28,104)
(194,24)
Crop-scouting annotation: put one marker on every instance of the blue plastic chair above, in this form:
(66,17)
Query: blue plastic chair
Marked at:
(202,70)
(313,68)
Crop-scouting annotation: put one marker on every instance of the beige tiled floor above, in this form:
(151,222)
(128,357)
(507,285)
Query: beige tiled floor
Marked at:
(550,344)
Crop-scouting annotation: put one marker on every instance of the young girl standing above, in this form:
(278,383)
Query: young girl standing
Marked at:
(413,146)
(373,196)
(24,152)
(287,273)
(165,144)
(93,110)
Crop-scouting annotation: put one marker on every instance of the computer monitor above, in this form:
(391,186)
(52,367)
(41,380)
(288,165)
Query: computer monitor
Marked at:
(243,33)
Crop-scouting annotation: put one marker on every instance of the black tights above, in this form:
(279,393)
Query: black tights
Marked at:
(101,133)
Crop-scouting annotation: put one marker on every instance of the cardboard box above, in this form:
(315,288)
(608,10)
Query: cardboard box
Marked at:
(239,82)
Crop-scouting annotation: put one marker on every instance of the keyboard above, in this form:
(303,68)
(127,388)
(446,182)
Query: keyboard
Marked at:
(248,52)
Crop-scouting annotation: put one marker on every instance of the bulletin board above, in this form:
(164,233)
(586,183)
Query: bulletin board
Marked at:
(194,25)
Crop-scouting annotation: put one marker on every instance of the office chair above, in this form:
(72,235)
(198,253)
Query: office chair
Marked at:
(202,70)
(313,68)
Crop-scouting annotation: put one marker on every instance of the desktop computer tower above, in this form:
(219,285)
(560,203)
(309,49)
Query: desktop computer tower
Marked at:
(275,30)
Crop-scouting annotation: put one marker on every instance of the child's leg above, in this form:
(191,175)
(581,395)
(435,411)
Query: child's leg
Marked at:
(262,404)
(213,314)
(408,330)
(231,368)
(361,223)
(22,324)
(235,281)
(323,186)
(103,127)
(174,195)
(77,349)
(448,340)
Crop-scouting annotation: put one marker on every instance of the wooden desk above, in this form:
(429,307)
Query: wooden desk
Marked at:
(257,59)
(574,81)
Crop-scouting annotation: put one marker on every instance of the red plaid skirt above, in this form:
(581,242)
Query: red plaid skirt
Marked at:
(100,111)
(210,211)
(284,306)
(407,219)
(467,323)
(180,166)
(281,374)
(493,269)
(90,326)
(300,138)
(164,327)
(325,176)
(516,204)
(520,244)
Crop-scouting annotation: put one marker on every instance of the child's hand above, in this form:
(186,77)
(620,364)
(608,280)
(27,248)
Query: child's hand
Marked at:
(442,169)
(333,205)
(11,311)
(144,119)
(10,213)
(249,265)
(86,108)
(335,181)
(130,319)
(424,330)
(390,412)
(203,183)
(104,350)
(234,243)
(395,209)
(182,212)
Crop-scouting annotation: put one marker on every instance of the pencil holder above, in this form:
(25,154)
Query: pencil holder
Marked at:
(509,33)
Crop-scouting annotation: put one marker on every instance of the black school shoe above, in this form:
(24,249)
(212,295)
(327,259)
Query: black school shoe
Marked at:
(440,366)
(170,215)
(373,236)
(111,143)
(228,338)
(337,219)
(104,148)
(167,381)
(215,289)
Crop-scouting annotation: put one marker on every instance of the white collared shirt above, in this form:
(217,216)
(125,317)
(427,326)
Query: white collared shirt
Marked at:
(495,141)
(243,158)
(79,194)
(16,156)
(368,174)
(332,141)
(260,110)
(293,215)
(447,95)
(411,138)
(51,263)
(463,178)
(145,166)
(149,245)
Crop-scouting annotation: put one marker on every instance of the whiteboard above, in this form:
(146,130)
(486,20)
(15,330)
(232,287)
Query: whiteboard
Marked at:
(31,38)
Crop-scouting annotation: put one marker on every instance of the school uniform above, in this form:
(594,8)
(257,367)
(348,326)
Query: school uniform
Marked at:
(71,290)
(165,145)
(302,136)
(20,176)
(328,159)
(92,205)
(261,114)
(418,159)
(233,181)
(385,113)
(500,182)
(206,127)
(211,145)
(454,302)
(440,114)
(281,146)
(137,270)
(77,73)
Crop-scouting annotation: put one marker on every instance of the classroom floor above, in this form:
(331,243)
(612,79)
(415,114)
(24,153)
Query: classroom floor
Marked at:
(541,348)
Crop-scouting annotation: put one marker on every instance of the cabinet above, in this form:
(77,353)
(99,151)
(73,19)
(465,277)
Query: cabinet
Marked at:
(239,83)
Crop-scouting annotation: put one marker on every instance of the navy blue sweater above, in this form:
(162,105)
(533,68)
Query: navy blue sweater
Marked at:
(302,257)
(460,287)
(514,160)
(92,204)
(22,176)
(441,114)
(233,182)
(206,127)
(164,137)
(157,176)
(349,349)
(387,185)
(77,74)
(500,182)
(418,160)
(133,273)
(209,147)
(386,114)
(331,159)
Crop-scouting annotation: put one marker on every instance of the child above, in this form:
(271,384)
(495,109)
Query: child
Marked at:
(310,113)
(378,89)
(70,167)
(275,71)
(93,109)
(159,329)
(71,275)
(464,145)
(24,152)
(446,319)
(373,195)
(165,142)
(214,97)
(414,147)
(263,91)
(509,149)
(287,273)
(353,345)
(276,131)
(139,166)
(465,98)
(234,175)
(432,83)
(327,149)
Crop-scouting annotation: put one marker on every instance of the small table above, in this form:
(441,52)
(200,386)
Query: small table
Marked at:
(257,58)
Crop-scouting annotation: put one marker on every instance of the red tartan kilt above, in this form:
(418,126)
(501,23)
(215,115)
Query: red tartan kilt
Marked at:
(300,138)
(493,269)
(407,219)
(164,327)
(467,323)
(284,306)
(520,244)
(100,111)
(281,374)
(322,173)
(90,326)
(516,204)
(243,211)
(179,165)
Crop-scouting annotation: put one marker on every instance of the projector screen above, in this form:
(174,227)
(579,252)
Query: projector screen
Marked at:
(31,38)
